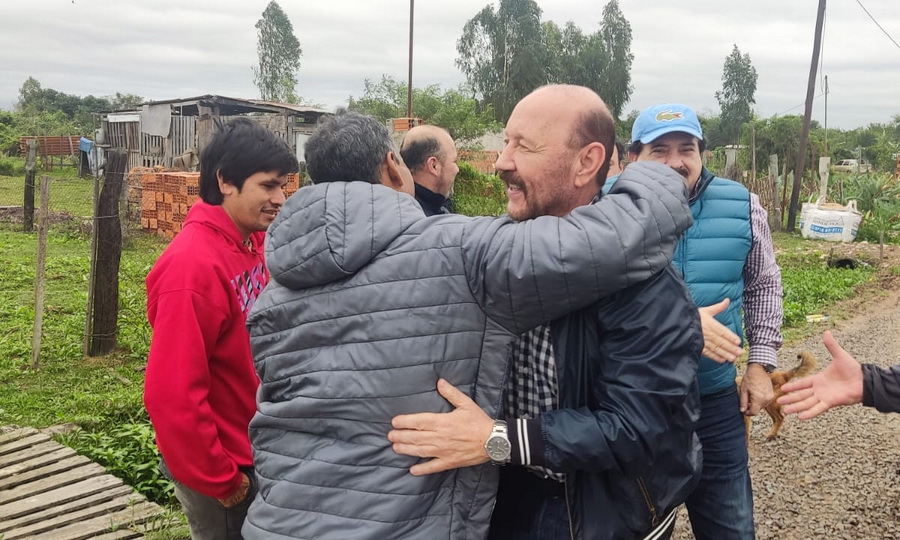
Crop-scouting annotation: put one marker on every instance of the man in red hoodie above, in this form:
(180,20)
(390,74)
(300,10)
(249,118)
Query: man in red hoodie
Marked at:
(200,386)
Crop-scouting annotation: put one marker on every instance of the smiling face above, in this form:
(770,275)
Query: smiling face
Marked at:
(254,206)
(678,150)
(537,163)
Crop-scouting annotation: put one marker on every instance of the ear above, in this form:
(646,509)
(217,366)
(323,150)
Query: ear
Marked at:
(432,164)
(632,157)
(224,187)
(390,172)
(590,159)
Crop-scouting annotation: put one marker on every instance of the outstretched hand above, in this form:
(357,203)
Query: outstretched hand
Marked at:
(719,343)
(841,383)
(453,440)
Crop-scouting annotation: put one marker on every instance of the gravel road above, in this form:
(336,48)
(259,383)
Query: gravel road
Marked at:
(836,476)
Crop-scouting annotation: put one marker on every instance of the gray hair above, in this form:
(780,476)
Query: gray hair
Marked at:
(348,147)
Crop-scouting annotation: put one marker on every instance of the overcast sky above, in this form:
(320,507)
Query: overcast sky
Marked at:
(164,49)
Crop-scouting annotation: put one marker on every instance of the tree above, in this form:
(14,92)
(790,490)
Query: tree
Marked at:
(736,96)
(507,53)
(279,56)
(451,109)
(615,78)
(502,54)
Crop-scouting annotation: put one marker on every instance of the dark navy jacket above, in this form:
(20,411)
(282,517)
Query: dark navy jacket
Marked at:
(628,406)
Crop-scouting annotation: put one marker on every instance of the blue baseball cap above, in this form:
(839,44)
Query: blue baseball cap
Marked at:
(656,121)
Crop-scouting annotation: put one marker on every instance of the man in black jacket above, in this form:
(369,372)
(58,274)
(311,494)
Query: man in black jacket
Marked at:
(430,154)
(598,437)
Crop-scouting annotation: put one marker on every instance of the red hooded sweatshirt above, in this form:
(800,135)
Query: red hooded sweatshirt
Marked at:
(200,386)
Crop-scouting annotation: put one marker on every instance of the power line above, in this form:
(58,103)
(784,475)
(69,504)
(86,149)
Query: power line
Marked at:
(876,24)
(798,106)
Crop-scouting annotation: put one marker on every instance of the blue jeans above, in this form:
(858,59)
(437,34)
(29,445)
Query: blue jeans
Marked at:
(721,508)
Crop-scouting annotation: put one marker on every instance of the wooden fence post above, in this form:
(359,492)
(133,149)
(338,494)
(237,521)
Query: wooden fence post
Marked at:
(773,182)
(28,204)
(105,284)
(39,272)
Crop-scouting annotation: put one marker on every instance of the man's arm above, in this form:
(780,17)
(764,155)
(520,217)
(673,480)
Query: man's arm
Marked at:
(763,312)
(531,272)
(651,344)
(645,382)
(176,387)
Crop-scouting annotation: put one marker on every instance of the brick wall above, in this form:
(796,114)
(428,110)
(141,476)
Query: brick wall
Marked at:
(166,196)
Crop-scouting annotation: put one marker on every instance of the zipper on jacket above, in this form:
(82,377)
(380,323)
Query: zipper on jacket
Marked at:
(568,509)
(654,517)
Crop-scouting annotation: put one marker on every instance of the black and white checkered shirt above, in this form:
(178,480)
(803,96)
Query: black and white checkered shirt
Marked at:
(532,387)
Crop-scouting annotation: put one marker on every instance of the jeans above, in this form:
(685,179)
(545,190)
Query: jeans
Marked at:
(207,518)
(529,508)
(721,508)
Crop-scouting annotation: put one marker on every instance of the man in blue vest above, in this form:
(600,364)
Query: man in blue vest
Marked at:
(728,262)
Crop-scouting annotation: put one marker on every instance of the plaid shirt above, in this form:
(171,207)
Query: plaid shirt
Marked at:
(532,388)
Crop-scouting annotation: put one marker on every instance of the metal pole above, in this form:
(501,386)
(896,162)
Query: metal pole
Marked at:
(409,86)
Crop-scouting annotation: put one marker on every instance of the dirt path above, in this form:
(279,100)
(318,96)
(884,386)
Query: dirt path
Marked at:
(836,476)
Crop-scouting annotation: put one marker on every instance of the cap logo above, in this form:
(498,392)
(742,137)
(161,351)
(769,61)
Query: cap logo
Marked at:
(668,116)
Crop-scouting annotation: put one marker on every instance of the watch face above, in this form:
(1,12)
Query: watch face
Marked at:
(498,448)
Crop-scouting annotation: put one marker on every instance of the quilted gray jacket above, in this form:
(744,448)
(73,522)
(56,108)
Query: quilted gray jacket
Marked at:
(370,303)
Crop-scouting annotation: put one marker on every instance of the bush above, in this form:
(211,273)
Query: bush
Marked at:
(10,166)
(128,451)
(478,194)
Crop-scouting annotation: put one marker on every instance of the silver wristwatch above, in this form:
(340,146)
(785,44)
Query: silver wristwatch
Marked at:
(497,445)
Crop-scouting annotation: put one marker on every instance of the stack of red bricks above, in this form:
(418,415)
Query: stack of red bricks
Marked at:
(166,198)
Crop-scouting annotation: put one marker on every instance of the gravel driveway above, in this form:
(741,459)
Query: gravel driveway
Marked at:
(836,476)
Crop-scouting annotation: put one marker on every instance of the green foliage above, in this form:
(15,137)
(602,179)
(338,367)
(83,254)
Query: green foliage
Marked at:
(478,194)
(10,166)
(810,286)
(508,52)
(127,450)
(45,111)
(736,97)
(279,56)
(877,196)
(502,55)
(451,109)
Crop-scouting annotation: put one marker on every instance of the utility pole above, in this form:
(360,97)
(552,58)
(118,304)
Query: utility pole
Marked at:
(804,134)
(826,115)
(409,87)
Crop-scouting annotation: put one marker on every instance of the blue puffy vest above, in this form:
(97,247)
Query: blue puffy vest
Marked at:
(711,257)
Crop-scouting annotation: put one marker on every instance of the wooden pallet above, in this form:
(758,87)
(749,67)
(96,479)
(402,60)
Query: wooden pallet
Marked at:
(48,491)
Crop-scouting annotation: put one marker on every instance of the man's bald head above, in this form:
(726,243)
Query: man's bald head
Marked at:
(430,154)
(558,141)
(584,111)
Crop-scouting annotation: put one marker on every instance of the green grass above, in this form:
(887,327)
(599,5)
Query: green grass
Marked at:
(67,387)
(68,192)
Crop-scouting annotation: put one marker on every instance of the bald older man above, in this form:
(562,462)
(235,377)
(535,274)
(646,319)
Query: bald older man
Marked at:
(430,154)
(596,436)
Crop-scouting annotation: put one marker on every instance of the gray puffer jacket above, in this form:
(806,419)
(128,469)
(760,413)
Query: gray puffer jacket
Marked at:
(370,303)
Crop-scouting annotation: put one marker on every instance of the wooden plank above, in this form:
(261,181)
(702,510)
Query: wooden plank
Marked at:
(58,496)
(25,442)
(25,454)
(16,434)
(113,522)
(34,462)
(118,534)
(40,473)
(58,520)
(122,493)
(90,470)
